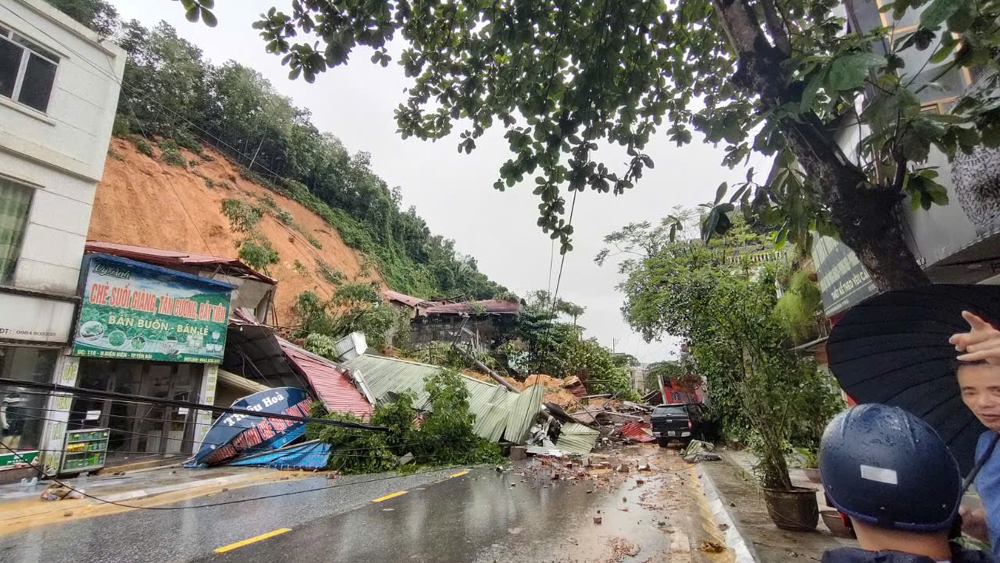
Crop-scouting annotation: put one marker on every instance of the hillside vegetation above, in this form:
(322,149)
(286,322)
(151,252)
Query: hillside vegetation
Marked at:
(144,201)
(170,92)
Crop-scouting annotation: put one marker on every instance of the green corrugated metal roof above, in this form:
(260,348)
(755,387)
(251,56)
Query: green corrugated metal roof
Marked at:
(577,438)
(523,413)
(494,406)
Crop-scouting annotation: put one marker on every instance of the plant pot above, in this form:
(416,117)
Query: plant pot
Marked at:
(812,473)
(795,510)
(835,524)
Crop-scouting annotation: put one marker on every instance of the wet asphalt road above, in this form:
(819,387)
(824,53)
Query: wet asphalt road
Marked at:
(161,536)
(482,516)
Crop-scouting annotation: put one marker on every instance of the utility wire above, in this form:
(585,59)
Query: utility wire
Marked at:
(55,388)
(211,505)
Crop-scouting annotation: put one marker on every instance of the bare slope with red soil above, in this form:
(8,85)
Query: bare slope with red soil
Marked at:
(144,201)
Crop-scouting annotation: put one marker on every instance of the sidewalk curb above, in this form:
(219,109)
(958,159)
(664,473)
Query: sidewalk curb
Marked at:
(742,550)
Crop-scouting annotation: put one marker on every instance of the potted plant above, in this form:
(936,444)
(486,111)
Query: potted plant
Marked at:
(809,459)
(774,388)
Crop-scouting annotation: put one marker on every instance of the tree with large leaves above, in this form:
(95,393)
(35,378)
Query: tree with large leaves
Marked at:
(779,77)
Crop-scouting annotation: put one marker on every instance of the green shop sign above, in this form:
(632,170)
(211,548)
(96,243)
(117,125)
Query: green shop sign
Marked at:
(138,311)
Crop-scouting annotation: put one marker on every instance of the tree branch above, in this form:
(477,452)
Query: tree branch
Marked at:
(775,27)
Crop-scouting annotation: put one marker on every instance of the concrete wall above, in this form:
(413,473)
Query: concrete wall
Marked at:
(59,153)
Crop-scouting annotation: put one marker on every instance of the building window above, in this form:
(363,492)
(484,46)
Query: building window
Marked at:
(27,71)
(22,410)
(15,201)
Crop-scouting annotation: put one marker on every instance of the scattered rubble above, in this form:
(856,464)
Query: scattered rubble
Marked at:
(620,549)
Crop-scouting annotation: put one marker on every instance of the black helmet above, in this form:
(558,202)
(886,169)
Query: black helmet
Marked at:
(888,468)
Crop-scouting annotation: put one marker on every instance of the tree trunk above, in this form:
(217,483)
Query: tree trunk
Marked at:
(866,216)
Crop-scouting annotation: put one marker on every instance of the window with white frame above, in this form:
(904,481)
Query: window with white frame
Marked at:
(27,70)
(15,203)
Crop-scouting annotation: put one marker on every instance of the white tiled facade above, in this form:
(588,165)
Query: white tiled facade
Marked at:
(58,154)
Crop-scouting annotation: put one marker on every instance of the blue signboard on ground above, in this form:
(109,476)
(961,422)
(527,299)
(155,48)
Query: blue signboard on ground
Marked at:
(235,435)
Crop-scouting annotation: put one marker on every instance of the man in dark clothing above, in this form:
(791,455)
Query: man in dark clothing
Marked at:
(893,476)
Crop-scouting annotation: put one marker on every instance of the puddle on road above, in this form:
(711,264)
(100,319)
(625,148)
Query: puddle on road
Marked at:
(647,517)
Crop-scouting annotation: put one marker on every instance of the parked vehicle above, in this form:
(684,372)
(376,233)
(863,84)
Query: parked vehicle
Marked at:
(681,422)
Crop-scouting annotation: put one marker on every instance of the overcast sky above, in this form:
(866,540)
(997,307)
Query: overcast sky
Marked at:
(453,192)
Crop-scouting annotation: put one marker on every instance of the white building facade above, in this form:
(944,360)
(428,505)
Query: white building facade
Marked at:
(59,87)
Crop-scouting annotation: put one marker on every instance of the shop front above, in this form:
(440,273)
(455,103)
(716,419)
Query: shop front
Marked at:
(146,332)
(34,333)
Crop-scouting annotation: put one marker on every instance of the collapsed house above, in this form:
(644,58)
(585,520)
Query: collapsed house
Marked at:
(474,322)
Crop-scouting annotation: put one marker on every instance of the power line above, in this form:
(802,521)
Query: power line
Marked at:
(211,505)
(56,388)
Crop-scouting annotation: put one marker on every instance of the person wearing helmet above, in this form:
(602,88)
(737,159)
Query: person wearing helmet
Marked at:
(892,475)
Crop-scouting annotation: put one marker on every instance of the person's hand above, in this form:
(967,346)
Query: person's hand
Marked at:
(982,342)
(974,523)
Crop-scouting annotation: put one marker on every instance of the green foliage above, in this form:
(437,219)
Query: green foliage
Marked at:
(798,308)
(445,436)
(448,426)
(171,91)
(313,241)
(258,253)
(243,217)
(141,145)
(300,268)
(682,371)
(444,354)
(184,138)
(763,394)
(313,318)
(121,126)
(403,436)
(356,451)
(168,145)
(538,343)
(321,345)
(779,78)
(355,307)
(115,155)
(98,15)
(284,217)
(332,275)
(209,183)
(173,157)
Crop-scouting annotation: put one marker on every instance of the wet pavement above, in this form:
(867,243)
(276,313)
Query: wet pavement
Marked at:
(480,516)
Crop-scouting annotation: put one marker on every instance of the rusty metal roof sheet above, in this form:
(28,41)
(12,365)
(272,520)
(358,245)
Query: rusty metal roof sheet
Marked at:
(404,298)
(577,438)
(489,306)
(331,384)
(175,258)
(637,431)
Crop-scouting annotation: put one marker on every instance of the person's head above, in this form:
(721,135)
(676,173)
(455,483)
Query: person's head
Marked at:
(891,473)
(979,383)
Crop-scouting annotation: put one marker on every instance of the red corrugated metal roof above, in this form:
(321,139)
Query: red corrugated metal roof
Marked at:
(403,298)
(168,258)
(331,385)
(636,430)
(491,306)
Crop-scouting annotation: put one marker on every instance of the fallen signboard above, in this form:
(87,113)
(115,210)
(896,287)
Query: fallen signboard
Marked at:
(235,434)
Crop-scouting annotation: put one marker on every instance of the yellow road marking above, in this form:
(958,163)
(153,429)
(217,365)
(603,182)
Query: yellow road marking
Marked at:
(271,534)
(459,474)
(387,497)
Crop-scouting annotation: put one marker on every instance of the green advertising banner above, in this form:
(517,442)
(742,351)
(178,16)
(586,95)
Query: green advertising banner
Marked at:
(138,311)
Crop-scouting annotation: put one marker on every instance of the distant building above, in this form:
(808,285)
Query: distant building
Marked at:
(466,321)
(638,375)
(59,86)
